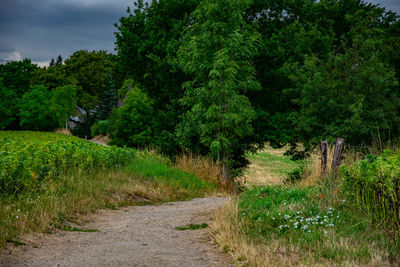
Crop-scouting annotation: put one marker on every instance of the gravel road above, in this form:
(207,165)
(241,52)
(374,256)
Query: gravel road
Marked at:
(133,236)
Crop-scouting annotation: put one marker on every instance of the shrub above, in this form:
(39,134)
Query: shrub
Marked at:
(374,184)
(100,128)
(131,124)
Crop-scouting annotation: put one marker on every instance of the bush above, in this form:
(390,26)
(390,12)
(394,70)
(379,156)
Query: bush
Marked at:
(100,128)
(294,176)
(131,124)
(374,184)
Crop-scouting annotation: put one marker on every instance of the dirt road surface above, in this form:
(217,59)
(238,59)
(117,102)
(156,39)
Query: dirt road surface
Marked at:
(133,236)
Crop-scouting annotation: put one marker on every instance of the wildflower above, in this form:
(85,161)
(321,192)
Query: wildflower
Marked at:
(16,216)
(321,195)
(336,191)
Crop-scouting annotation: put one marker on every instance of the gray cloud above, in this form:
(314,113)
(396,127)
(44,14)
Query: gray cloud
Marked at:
(393,5)
(43,29)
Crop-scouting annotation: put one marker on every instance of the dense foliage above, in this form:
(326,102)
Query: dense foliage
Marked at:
(131,124)
(374,184)
(224,77)
(217,53)
(27,159)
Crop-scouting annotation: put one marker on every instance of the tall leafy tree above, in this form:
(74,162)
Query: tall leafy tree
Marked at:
(131,124)
(89,70)
(16,77)
(63,104)
(350,94)
(147,40)
(34,110)
(218,51)
(8,107)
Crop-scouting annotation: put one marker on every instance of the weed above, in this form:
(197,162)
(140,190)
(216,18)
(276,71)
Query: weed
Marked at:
(76,229)
(191,227)
(15,242)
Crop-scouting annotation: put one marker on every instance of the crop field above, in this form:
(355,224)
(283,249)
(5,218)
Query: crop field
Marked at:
(27,159)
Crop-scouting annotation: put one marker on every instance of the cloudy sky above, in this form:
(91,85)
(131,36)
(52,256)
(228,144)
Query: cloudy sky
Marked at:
(43,29)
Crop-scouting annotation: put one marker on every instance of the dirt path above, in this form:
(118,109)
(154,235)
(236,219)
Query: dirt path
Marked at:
(134,236)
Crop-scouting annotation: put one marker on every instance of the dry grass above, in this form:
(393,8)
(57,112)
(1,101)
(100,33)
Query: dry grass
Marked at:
(228,235)
(202,167)
(101,139)
(77,195)
(63,131)
(312,168)
(268,167)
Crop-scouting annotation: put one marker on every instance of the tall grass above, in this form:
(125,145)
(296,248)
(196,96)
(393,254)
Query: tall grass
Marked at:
(207,170)
(201,166)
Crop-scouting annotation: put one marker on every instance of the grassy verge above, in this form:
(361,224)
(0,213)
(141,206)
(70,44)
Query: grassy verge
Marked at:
(269,166)
(54,203)
(303,226)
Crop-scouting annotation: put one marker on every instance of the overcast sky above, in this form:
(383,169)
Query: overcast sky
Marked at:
(43,29)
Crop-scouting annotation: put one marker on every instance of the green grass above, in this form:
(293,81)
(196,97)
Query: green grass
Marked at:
(279,164)
(270,167)
(191,227)
(76,229)
(147,178)
(319,223)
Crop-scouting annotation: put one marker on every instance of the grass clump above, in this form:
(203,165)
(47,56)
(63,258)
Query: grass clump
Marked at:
(191,227)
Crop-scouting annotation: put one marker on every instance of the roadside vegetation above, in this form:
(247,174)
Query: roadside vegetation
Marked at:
(338,219)
(50,180)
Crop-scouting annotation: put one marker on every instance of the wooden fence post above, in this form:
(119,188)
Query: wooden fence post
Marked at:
(337,154)
(324,156)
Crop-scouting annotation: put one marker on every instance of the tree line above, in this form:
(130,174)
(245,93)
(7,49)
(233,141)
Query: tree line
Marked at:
(222,78)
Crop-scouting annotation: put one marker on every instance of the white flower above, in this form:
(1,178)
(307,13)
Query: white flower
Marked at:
(16,216)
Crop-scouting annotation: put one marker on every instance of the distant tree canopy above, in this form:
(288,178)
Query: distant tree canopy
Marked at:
(221,78)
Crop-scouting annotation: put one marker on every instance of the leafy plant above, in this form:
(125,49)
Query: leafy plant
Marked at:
(27,159)
(374,185)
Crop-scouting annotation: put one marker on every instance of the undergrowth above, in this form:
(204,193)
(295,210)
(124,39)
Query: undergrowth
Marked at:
(315,221)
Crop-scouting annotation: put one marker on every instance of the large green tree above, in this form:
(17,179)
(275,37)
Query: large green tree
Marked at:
(350,94)
(63,104)
(15,79)
(218,51)
(147,40)
(131,124)
(8,107)
(34,110)
(90,71)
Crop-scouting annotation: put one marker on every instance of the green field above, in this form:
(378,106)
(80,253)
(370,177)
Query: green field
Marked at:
(48,180)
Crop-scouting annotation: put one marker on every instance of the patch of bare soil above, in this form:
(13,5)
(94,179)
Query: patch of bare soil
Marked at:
(133,236)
